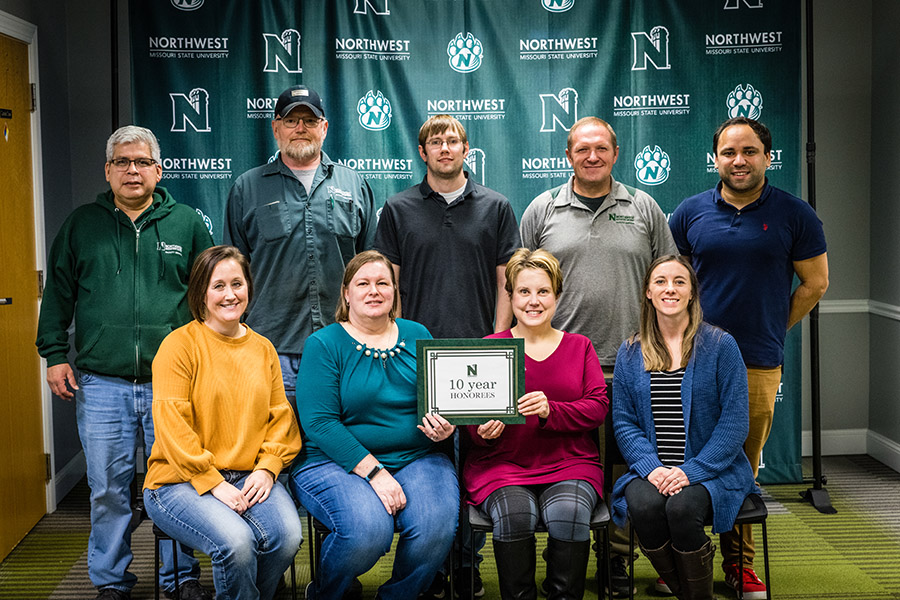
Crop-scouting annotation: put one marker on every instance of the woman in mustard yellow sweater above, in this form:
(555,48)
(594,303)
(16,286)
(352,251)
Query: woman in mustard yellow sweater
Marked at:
(224,432)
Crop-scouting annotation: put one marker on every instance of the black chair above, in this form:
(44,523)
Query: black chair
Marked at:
(753,511)
(161,536)
(600,520)
(318,531)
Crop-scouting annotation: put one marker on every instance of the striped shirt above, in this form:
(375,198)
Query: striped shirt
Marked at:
(668,416)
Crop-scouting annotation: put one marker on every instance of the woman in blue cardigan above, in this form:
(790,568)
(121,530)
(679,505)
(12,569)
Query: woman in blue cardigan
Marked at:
(680,414)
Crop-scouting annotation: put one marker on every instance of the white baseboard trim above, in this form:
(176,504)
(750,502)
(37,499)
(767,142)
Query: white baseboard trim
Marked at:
(884,449)
(844,306)
(837,442)
(66,478)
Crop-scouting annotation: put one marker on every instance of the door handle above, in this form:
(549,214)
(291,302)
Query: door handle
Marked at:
(5,301)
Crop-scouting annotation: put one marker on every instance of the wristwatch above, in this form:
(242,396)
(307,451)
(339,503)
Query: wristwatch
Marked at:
(375,470)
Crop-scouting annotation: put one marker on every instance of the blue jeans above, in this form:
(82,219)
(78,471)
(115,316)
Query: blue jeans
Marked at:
(249,552)
(362,530)
(290,364)
(109,411)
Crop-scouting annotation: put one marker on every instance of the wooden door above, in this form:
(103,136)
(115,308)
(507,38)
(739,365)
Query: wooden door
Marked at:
(22,465)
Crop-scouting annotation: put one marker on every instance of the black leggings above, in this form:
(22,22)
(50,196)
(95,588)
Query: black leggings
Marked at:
(658,519)
(564,507)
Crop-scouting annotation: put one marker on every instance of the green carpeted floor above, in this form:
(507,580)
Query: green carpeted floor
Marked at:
(852,555)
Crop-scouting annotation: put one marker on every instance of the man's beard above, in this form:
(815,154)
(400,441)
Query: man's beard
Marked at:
(302,151)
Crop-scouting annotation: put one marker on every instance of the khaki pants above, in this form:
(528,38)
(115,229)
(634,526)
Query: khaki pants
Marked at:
(763,385)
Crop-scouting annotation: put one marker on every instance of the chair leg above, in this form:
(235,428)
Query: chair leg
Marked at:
(175,566)
(312,546)
(630,564)
(293,580)
(766,560)
(156,544)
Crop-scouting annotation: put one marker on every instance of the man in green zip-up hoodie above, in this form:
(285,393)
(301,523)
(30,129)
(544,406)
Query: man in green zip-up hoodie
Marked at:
(120,267)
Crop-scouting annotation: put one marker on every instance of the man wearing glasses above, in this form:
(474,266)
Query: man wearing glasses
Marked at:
(449,239)
(298,219)
(120,267)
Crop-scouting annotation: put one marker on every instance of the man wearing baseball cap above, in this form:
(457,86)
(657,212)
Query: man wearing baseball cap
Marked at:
(298,219)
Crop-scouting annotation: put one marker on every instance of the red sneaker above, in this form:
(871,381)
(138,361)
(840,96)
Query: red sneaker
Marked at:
(754,589)
(662,587)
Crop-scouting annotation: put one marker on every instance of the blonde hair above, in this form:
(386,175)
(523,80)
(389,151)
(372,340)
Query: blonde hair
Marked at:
(538,259)
(653,346)
(342,312)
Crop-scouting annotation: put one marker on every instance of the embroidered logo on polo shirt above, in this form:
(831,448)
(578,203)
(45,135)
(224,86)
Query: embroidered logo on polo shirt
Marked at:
(628,219)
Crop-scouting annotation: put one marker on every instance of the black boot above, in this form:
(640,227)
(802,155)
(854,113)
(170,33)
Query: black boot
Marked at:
(663,560)
(695,572)
(515,569)
(566,569)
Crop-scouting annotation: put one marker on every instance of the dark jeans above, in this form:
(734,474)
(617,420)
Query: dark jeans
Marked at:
(658,519)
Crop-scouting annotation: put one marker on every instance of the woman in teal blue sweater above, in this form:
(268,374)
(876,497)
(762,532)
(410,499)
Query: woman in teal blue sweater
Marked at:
(367,465)
(680,415)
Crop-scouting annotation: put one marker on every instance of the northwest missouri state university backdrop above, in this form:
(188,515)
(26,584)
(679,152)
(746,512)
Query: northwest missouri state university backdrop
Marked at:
(517,73)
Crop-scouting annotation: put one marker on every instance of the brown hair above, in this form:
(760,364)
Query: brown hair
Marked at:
(202,271)
(342,312)
(653,346)
(437,125)
(570,140)
(538,259)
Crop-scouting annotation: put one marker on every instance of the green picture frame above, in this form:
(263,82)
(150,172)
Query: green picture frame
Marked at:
(469,381)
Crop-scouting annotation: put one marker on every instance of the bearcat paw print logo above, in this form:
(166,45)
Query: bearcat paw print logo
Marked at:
(374,111)
(745,102)
(466,53)
(206,220)
(652,166)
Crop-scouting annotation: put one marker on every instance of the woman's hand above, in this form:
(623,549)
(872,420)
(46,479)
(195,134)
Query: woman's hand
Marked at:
(534,403)
(230,496)
(491,430)
(672,481)
(257,486)
(389,491)
(436,427)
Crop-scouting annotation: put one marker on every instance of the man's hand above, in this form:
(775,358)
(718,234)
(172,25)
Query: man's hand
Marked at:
(58,376)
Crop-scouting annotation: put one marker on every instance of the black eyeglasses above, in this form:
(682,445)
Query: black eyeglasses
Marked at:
(123,163)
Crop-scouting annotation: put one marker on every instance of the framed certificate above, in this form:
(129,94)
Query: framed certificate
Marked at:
(470,381)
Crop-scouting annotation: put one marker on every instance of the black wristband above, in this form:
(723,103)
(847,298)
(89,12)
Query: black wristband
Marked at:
(375,470)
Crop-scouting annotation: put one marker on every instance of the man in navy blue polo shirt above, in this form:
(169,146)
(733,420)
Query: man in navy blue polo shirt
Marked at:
(449,239)
(746,240)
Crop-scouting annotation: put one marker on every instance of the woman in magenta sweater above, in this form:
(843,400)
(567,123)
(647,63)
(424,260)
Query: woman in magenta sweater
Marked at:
(547,469)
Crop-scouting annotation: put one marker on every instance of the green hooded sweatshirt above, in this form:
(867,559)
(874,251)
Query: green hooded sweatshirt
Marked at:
(125,283)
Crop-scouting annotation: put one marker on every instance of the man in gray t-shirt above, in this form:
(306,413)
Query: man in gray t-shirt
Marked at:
(605,235)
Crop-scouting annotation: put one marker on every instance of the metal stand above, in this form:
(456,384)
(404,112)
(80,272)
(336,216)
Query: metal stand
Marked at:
(816,495)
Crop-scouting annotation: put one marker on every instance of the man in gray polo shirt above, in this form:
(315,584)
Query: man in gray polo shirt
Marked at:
(605,235)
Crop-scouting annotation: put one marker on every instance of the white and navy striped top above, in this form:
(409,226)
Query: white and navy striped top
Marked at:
(668,416)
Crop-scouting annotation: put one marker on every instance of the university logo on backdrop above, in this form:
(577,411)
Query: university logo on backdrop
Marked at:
(378,7)
(735,4)
(559,110)
(283,51)
(557,6)
(187,4)
(465,53)
(744,101)
(475,164)
(651,48)
(651,167)
(190,109)
(374,111)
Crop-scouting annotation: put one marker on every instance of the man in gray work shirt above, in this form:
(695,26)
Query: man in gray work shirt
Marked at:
(605,235)
(298,219)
